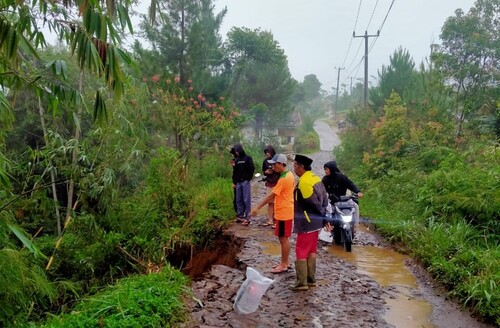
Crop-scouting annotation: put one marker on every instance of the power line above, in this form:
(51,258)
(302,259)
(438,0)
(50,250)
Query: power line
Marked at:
(371,17)
(356,55)
(357,15)
(354,29)
(356,68)
(382,25)
(374,40)
(385,18)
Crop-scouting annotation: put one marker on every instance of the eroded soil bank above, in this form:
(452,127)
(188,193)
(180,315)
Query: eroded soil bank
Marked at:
(344,296)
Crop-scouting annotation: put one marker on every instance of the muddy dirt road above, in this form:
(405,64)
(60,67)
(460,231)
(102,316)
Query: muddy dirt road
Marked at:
(347,295)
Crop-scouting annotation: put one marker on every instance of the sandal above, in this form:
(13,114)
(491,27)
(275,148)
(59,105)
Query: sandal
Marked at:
(279,269)
(273,226)
(267,224)
(245,222)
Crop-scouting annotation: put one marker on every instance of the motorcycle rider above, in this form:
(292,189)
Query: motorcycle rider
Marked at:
(337,184)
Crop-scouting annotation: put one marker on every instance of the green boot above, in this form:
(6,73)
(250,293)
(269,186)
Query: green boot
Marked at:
(311,271)
(301,273)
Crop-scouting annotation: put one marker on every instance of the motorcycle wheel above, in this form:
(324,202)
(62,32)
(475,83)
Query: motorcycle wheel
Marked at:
(337,235)
(347,241)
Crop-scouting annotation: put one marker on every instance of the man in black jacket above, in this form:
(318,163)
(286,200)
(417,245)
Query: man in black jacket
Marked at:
(310,203)
(243,170)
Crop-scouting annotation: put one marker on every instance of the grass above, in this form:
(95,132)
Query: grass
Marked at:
(462,257)
(153,300)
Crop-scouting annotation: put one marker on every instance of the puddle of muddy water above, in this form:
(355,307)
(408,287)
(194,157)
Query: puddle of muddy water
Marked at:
(385,266)
(388,269)
(271,248)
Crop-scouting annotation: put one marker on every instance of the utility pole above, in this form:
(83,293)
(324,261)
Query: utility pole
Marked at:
(337,96)
(366,36)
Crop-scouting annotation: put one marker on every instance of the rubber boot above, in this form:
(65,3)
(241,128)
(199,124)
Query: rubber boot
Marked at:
(301,273)
(311,271)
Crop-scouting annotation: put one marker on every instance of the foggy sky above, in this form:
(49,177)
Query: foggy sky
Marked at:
(315,34)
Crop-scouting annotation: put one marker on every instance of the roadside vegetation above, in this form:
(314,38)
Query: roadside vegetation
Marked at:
(427,151)
(112,159)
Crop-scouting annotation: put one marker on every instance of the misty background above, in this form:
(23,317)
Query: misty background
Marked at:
(317,35)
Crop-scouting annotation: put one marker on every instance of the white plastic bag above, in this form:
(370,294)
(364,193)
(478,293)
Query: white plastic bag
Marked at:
(325,236)
(251,291)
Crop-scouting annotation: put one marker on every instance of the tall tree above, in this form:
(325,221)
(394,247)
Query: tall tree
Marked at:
(398,76)
(469,59)
(311,87)
(260,76)
(186,42)
(206,59)
(169,36)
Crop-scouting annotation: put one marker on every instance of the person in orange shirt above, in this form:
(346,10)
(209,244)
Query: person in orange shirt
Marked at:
(282,195)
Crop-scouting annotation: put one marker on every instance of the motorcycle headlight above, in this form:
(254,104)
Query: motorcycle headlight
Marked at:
(347,218)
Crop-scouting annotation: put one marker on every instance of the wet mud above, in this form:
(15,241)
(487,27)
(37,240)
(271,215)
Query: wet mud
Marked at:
(351,291)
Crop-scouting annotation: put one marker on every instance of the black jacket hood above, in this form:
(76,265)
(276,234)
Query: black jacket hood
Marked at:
(238,148)
(332,166)
(270,149)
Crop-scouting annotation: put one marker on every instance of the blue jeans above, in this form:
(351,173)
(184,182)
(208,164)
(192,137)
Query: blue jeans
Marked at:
(243,199)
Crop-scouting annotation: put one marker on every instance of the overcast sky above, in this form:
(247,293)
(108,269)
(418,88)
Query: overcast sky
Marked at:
(316,35)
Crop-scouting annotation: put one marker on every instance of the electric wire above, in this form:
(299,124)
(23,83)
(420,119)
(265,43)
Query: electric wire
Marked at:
(372,43)
(387,14)
(354,29)
(381,25)
(361,43)
(371,17)
(355,55)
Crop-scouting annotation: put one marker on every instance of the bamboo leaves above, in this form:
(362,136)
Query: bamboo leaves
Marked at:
(9,39)
(21,235)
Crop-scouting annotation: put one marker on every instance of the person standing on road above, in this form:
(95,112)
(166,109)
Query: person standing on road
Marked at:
(243,170)
(337,184)
(271,179)
(282,195)
(310,204)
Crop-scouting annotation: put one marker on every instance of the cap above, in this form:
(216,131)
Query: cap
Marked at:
(304,160)
(278,158)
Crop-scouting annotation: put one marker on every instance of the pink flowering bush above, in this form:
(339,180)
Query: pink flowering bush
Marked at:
(192,120)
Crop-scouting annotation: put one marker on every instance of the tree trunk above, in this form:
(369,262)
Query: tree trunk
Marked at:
(52,174)
(74,160)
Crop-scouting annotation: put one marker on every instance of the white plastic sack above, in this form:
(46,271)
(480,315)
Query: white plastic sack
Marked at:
(325,236)
(251,291)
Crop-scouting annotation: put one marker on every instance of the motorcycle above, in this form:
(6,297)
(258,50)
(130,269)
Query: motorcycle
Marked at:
(342,220)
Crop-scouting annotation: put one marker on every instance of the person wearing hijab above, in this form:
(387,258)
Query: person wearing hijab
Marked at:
(336,184)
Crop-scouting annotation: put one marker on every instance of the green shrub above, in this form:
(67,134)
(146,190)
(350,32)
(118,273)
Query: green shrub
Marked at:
(307,142)
(153,300)
(466,190)
(211,209)
(481,290)
(23,284)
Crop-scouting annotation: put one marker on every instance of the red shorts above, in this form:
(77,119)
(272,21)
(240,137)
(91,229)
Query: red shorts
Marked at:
(307,243)
(283,228)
